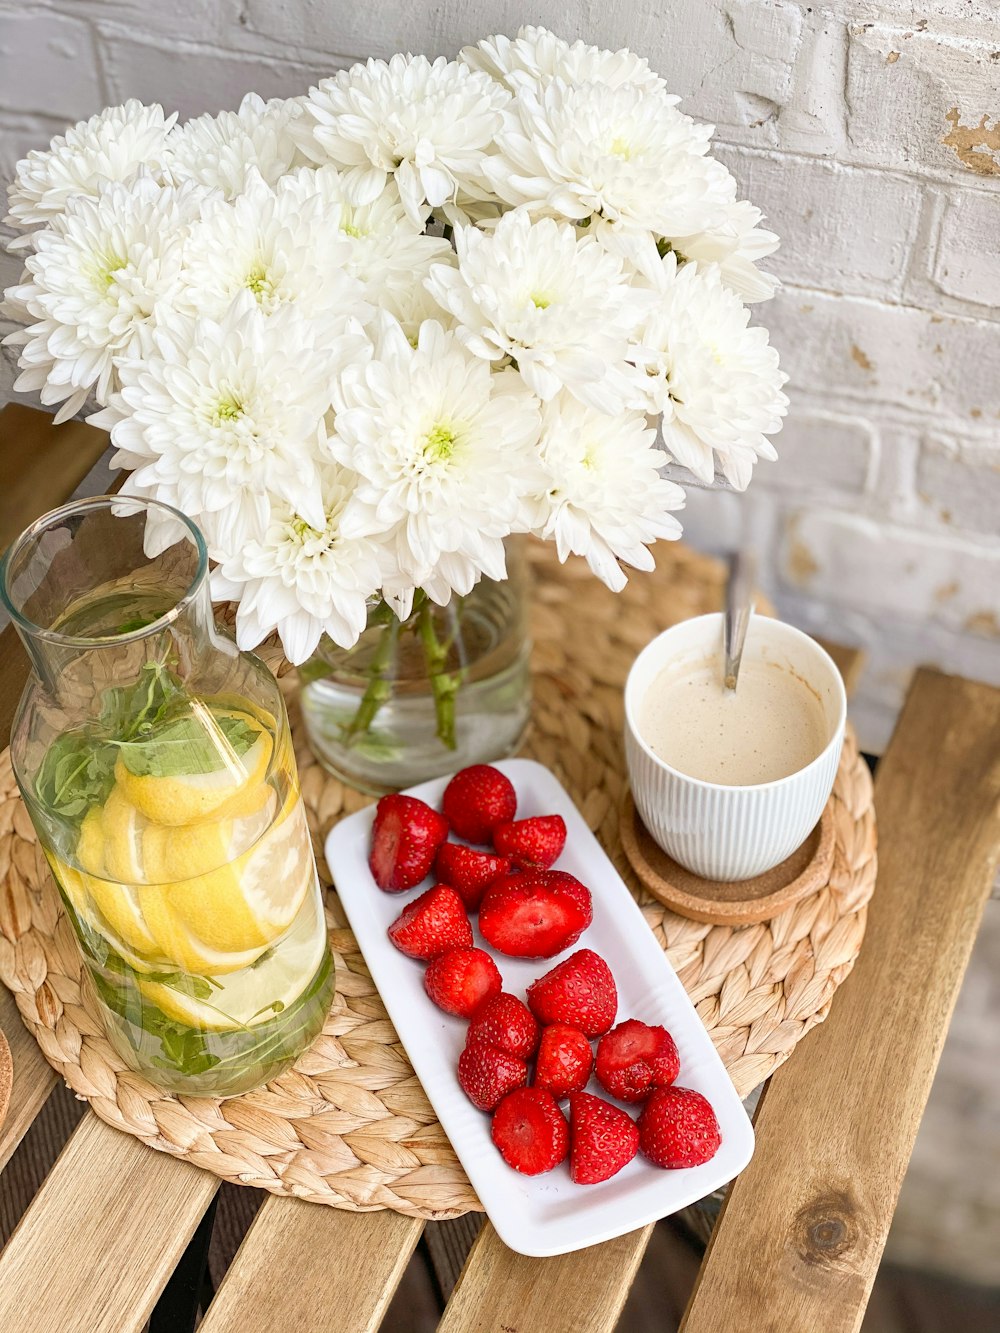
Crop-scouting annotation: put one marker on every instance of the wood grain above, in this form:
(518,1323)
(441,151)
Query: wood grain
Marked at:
(312,1269)
(101,1236)
(503,1292)
(33,1078)
(850,662)
(41,465)
(801,1234)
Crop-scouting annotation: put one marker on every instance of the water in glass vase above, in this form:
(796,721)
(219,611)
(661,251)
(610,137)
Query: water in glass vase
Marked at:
(448,687)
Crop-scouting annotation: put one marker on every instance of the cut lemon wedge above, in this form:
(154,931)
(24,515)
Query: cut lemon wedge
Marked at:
(233,789)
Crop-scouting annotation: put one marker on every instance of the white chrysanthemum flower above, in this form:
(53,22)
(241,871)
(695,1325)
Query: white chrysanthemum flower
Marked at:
(111,146)
(91,285)
(218,150)
(221,419)
(285,252)
(623,154)
(387,251)
(445,449)
(559,305)
(428,124)
(538,55)
(715,379)
(734,246)
(302,580)
(605,498)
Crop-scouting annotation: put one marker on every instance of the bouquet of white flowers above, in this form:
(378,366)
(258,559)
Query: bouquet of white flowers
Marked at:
(363,335)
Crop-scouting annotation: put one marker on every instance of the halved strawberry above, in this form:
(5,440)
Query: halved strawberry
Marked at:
(462,980)
(579,991)
(477,799)
(536,914)
(507,1023)
(431,924)
(530,1131)
(537,841)
(405,837)
(634,1058)
(487,1075)
(603,1139)
(468,871)
(678,1128)
(564,1060)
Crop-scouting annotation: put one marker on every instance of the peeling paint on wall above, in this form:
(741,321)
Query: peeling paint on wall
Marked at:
(967,142)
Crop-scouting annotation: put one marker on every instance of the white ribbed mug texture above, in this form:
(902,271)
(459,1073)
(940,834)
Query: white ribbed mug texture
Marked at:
(729,832)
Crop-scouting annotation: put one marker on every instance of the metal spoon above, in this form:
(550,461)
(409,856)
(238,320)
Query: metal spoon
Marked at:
(739,608)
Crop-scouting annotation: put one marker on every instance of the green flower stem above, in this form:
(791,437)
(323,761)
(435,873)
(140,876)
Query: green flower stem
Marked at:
(444,684)
(379,688)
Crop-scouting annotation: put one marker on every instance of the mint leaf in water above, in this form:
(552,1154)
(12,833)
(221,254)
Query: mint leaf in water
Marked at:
(130,711)
(76,773)
(185,745)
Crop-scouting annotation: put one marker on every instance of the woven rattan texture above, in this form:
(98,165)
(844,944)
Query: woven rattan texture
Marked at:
(350,1125)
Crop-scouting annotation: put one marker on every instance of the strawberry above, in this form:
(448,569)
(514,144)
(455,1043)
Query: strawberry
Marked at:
(476,800)
(530,1131)
(461,980)
(532,842)
(603,1139)
(535,914)
(405,837)
(634,1058)
(579,991)
(487,1075)
(507,1023)
(431,924)
(678,1128)
(564,1060)
(469,872)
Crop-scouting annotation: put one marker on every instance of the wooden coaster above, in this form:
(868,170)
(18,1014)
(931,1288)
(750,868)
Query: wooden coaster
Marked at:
(6,1076)
(740,902)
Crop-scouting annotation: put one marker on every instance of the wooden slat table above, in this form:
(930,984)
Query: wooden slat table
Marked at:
(799,1240)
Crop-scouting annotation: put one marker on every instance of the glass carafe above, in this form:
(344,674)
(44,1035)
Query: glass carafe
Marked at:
(156,764)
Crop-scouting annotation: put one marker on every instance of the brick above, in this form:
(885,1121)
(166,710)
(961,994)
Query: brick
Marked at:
(966,265)
(900,354)
(919,576)
(191,80)
(48,65)
(920,99)
(958,482)
(192,20)
(819,453)
(843,229)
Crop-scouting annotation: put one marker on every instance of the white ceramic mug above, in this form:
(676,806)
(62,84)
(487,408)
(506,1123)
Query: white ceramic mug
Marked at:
(730,832)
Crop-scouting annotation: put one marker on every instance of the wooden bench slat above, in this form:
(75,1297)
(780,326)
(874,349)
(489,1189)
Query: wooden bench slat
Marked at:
(801,1234)
(101,1237)
(503,1292)
(33,1079)
(311,1269)
(850,662)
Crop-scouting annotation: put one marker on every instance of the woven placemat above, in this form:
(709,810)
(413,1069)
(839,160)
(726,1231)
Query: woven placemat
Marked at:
(350,1125)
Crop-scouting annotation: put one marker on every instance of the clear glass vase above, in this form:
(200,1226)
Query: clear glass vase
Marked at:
(156,764)
(414,699)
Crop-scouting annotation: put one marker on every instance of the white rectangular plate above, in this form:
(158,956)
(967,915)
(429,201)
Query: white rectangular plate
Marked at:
(548,1214)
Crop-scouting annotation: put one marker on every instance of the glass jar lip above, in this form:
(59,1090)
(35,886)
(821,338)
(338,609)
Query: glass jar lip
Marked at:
(55,516)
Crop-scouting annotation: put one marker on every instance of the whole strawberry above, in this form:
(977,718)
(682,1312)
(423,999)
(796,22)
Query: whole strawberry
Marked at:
(634,1058)
(432,923)
(476,800)
(405,837)
(468,871)
(579,991)
(537,841)
(530,1131)
(564,1060)
(507,1023)
(535,914)
(486,1075)
(678,1128)
(603,1139)
(462,980)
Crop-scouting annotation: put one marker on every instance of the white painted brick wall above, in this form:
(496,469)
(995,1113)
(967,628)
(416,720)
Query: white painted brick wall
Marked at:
(867,130)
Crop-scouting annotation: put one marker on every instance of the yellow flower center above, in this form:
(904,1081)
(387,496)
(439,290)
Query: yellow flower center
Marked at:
(105,269)
(227,409)
(621,148)
(439,444)
(540,300)
(258,282)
